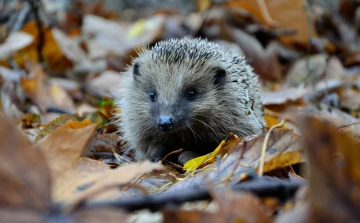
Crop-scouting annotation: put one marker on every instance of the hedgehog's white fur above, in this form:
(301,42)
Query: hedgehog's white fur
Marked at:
(169,67)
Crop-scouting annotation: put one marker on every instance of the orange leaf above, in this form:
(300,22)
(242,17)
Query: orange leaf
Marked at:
(77,125)
(289,14)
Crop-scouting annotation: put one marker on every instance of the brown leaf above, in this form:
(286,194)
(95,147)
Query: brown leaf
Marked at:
(300,73)
(62,148)
(43,92)
(284,12)
(264,61)
(111,215)
(350,99)
(108,81)
(20,215)
(101,181)
(240,207)
(25,177)
(179,216)
(334,182)
(102,142)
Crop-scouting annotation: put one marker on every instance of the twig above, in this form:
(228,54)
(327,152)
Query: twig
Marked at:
(242,150)
(263,150)
(134,181)
(260,186)
(173,152)
(344,126)
(35,9)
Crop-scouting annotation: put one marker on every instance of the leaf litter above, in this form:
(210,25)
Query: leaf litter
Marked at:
(62,157)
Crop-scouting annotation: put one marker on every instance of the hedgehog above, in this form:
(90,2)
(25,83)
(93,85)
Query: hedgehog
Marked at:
(186,94)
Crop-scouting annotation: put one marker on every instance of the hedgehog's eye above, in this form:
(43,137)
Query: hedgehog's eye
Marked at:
(153,96)
(191,94)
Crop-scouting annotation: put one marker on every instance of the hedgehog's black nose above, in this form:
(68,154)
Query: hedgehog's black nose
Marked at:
(165,123)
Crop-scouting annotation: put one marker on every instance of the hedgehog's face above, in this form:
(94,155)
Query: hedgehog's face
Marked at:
(177,97)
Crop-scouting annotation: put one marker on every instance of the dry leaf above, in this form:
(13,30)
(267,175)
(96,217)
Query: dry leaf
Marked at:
(25,177)
(77,125)
(282,96)
(107,81)
(334,172)
(63,147)
(284,12)
(300,73)
(282,144)
(44,93)
(179,216)
(13,43)
(264,61)
(51,52)
(54,124)
(350,99)
(240,207)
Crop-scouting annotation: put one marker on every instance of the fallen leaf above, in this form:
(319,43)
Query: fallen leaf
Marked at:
(282,96)
(107,81)
(25,177)
(284,12)
(70,124)
(54,124)
(264,61)
(350,99)
(44,93)
(307,69)
(334,172)
(64,147)
(240,207)
(50,50)
(102,142)
(114,38)
(281,146)
(195,163)
(179,216)
(14,42)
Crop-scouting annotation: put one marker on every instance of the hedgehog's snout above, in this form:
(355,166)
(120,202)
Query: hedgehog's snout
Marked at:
(165,123)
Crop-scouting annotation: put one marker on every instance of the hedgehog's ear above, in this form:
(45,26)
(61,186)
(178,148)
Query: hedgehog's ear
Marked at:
(220,76)
(136,71)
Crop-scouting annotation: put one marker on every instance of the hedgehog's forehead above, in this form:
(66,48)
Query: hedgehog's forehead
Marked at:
(181,51)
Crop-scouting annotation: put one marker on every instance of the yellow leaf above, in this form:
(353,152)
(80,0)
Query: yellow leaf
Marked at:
(195,163)
(137,29)
(283,160)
